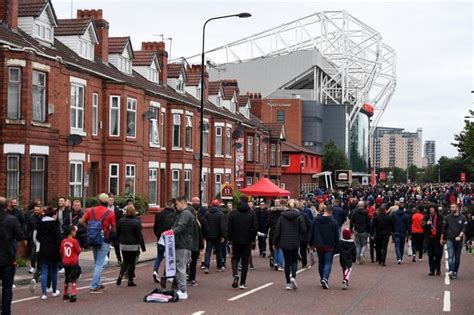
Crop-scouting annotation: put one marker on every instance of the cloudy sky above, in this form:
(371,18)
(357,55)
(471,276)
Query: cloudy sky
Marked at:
(434,41)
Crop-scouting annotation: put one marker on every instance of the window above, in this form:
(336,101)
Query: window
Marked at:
(281,116)
(39,96)
(218,141)
(114,124)
(189,132)
(153,75)
(285,160)
(162,126)
(153,132)
(43,32)
(187,184)
(176,130)
(38,171)
(13,176)
(14,93)
(205,140)
(130,179)
(77,107)
(227,141)
(249,181)
(114,179)
(85,49)
(227,178)
(273,155)
(95,114)
(131,117)
(125,65)
(75,179)
(152,185)
(204,187)
(218,184)
(219,100)
(250,149)
(265,153)
(175,184)
(257,149)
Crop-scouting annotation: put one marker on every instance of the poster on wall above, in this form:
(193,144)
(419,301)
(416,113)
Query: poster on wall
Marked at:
(239,162)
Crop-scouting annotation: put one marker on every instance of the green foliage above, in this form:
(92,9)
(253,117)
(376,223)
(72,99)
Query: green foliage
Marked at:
(451,169)
(235,197)
(399,175)
(464,141)
(21,262)
(334,158)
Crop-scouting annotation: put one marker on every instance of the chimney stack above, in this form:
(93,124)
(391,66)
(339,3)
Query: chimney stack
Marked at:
(101,50)
(9,13)
(160,49)
(196,70)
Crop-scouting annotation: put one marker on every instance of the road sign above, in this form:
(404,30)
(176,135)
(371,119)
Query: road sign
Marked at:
(227,191)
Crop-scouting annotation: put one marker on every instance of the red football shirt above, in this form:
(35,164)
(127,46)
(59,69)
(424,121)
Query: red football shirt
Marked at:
(70,251)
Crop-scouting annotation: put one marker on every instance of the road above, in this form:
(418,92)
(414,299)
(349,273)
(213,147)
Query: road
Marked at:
(395,289)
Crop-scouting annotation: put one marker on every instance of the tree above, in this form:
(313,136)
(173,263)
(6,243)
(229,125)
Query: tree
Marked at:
(334,158)
(451,169)
(464,141)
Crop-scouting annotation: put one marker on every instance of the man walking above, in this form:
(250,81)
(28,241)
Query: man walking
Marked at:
(401,227)
(118,213)
(454,227)
(242,230)
(360,224)
(101,248)
(215,234)
(262,219)
(324,237)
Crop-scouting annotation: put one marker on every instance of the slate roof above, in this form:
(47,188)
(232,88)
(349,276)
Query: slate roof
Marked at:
(117,44)
(143,57)
(71,27)
(174,70)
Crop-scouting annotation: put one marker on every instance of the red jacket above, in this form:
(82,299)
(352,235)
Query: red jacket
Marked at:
(70,251)
(416,223)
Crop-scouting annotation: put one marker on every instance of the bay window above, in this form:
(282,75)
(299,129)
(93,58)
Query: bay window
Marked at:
(131,117)
(14,93)
(39,96)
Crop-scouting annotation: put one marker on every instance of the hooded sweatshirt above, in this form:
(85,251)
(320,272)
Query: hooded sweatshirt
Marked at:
(360,220)
(324,234)
(242,226)
(401,222)
(49,235)
(290,230)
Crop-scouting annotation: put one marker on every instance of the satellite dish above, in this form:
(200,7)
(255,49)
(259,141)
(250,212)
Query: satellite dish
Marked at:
(148,114)
(74,140)
(238,145)
(236,134)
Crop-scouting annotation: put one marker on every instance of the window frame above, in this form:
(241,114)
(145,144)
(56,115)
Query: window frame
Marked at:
(117,109)
(227,149)
(77,181)
(284,157)
(132,106)
(217,183)
(117,176)
(163,129)
(188,133)
(95,114)
(257,149)
(18,99)
(130,175)
(273,157)
(17,174)
(250,149)
(176,128)
(75,106)
(187,183)
(36,88)
(153,178)
(175,181)
(44,173)
(218,140)
(279,115)
(154,128)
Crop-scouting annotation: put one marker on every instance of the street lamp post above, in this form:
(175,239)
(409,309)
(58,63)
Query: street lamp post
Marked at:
(240,15)
(301,175)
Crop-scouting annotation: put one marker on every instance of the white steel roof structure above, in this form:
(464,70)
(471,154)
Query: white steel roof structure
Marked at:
(362,67)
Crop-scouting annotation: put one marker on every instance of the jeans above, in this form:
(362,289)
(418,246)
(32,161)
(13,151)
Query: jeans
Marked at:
(240,252)
(100,254)
(381,244)
(435,253)
(183,256)
(160,249)
(262,244)
(48,270)
(278,257)
(360,241)
(454,255)
(291,263)
(210,245)
(399,239)
(325,264)
(7,276)
(224,251)
(417,244)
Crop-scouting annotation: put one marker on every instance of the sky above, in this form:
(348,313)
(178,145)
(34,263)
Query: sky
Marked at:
(434,41)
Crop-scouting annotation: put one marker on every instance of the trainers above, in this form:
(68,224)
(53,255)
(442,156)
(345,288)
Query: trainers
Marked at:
(44,297)
(438,272)
(96,291)
(49,290)
(325,284)
(293,283)
(206,271)
(235,284)
(220,270)
(399,261)
(243,287)
(451,275)
(182,295)
(56,294)
(73,299)
(345,286)
(32,270)
(102,287)
(455,275)
(288,287)
(420,259)
(156,278)
(32,285)
(66,297)
(252,267)
(61,271)
(194,283)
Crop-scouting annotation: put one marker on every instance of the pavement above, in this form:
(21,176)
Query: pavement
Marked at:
(395,289)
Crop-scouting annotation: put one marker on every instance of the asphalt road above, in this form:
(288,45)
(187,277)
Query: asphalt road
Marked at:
(395,289)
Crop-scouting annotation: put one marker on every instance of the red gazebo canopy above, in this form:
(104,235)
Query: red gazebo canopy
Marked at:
(265,188)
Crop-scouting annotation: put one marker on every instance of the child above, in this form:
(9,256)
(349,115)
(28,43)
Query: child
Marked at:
(70,251)
(348,255)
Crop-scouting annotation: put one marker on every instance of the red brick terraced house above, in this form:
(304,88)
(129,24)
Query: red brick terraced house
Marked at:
(80,107)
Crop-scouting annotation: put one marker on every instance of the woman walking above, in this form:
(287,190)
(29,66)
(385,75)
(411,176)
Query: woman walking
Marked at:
(289,232)
(129,234)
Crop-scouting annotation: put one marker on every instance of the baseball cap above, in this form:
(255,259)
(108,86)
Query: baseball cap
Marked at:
(103,197)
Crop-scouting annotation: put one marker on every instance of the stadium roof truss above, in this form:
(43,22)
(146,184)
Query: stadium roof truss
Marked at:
(363,67)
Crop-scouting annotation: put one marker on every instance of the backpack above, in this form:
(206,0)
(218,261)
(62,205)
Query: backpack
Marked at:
(95,233)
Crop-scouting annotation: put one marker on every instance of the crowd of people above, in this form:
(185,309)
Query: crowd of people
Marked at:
(316,227)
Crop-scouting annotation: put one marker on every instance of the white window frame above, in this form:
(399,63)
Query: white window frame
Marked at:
(218,143)
(175,181)
(217,183)
(249,148)
(273,157)
(257,149)
(132,110)
(36,88)
(95,114)
(117,109)
(117,176)
(153,180)
(227,178)
(154,128)
(283,160)
(205,139)
(75,182)
(130,173)
(228,150)
(43,187)
(176,123)
(13,186)
(153,75)
(17,85)
(162,128)
(249,181)
(77,106)
(187,184)
(189,128)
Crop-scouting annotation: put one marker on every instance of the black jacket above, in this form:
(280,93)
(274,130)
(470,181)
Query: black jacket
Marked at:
(65,218)
(10,231)
(31,224)
(383,225)
(129,232)
(262,219)
(242,226)
(273,217)
(360,220)
(427,228)
(164,221)
(290,230)
(215,228)
(49,236)
(324,233)
(347,253)
(339,215)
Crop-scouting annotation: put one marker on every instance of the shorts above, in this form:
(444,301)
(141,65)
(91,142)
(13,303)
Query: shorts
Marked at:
(72,273)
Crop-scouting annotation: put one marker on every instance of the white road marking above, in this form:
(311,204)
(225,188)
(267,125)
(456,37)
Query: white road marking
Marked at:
(446,279)
(302,270)
(447,301)
(198,313)
(250,292)
(37,297)
(447,265)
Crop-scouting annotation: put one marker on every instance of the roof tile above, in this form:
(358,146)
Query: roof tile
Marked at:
(117,44)
(71,27)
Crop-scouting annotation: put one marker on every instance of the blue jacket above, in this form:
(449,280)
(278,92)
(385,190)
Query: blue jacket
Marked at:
(324,233)
(401,222)
(339,215)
